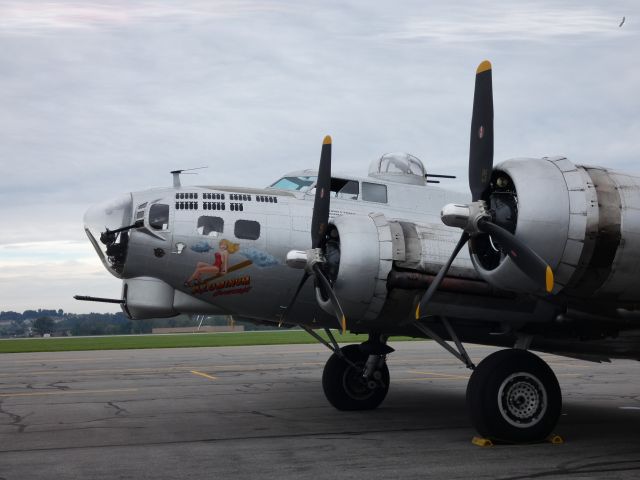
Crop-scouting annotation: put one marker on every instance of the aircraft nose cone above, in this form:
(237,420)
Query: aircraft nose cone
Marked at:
(111,214)
(107,216)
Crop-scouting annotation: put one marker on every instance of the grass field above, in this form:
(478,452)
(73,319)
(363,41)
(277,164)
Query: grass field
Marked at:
(121,342)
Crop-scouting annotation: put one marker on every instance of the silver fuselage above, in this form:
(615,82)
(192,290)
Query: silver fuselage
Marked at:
(159,261)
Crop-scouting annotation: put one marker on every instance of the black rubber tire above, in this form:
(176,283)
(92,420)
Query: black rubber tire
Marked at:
(529,405)
(343,385)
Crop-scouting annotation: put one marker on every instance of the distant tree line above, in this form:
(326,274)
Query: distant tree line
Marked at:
(59,323)
(30,314)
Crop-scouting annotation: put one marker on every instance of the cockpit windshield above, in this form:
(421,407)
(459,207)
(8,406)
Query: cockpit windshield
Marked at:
(300,184)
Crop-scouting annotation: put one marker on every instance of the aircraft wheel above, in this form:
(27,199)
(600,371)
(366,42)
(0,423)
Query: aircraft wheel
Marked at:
(344,386)
(513,396)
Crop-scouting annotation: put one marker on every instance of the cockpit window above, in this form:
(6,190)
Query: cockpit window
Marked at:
(159,216)
(342,188)
(294,183)
(374,192)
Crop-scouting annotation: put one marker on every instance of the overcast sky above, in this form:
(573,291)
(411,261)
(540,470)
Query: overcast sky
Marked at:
(99,98)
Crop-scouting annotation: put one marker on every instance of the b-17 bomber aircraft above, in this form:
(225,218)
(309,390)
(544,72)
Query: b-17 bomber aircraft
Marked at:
(550,265)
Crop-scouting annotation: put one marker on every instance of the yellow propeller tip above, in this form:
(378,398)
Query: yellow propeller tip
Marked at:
(327,140)
(418,313)
(483,67)
(549,279)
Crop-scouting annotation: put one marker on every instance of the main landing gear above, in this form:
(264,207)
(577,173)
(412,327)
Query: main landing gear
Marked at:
(355,377)
(512,396)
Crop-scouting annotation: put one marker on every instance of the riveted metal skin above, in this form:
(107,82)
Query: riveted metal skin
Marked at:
(542,224)
(359,264)
(586,227)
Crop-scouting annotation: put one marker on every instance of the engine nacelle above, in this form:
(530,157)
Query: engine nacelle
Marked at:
(364,259)
(582,220)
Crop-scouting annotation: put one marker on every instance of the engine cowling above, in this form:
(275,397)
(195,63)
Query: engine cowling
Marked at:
(359,259)
(582,220)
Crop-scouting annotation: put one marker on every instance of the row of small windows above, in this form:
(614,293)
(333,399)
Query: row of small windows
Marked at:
(186,196)
(186,205)
(243,229)
(213,196)
(238,196)
(207,225)
(265,198)
(213,205)
(234,207)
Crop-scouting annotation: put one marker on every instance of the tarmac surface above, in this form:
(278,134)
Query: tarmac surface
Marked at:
(259,412)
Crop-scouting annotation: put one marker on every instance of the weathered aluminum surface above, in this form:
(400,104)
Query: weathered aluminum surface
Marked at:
(587,228)
(622,281)
(543,225)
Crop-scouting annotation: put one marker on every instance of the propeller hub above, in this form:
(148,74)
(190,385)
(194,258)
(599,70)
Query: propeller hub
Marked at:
(465,217)
(297,259)
(306,259)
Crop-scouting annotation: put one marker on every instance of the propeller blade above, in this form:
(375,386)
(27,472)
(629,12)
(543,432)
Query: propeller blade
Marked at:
(319,224)
(481,145)
(342,320)
(441,274)
(320,219)
(303,280)
(525,259)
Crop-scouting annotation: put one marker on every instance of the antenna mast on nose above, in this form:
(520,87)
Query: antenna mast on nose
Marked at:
(176,175)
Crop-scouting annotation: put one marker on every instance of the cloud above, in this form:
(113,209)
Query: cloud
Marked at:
(521,21)
(41,17)
(48,274)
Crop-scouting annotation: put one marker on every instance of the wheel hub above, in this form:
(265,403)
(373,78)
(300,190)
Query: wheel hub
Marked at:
(522,400)
(356,386)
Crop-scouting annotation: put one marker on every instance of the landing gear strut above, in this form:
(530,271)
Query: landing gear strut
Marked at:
(513,396)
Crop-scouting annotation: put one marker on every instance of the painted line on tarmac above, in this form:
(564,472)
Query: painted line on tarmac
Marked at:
(570,364)
(201,374)
(67,392)
(147,370)
(444,376)
(437,375)
(426,379)
(57,360)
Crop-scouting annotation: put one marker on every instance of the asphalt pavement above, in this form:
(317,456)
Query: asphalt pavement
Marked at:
(259,412)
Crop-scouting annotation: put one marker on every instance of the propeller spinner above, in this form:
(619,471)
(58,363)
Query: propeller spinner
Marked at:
(475,218)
